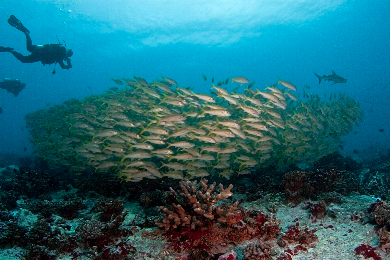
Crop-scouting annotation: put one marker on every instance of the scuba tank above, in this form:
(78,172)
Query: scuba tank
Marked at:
(10,81)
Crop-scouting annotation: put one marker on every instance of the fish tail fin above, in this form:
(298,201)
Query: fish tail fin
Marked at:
(232,79)
(236,89)
(164,98)
(151,121)
(319,78)
(203,113)
(123,158)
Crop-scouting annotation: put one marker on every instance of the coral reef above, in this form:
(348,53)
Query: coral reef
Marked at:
(66,209)
(316,182)
(294,235)
(297,186)
(367,251)
(151,198)
(375,178)
(380,212)
(384,239)
(259,251)
(104,239)
(24,182)
(110,209)
(317,210)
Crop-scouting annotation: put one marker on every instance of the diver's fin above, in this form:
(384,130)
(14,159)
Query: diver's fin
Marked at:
(5,49)
(13,21)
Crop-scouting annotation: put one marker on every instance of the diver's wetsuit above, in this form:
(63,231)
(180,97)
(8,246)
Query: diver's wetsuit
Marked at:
(47,54)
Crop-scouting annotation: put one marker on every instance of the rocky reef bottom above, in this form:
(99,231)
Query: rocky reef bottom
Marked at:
(333,209)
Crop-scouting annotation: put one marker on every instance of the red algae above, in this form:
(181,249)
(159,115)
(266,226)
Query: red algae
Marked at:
(367,251)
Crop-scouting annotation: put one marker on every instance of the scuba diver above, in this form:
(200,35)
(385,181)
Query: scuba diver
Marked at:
(47,54)
(12,85)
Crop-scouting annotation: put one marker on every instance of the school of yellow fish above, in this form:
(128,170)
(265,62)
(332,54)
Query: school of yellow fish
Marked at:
(153,130)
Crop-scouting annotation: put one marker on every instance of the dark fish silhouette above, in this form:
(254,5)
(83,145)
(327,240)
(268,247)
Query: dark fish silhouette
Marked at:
(381,130)
(251,85)
(141,81)
(334,77)
(204,77)
(117,81)
(1,110)
(12,85)
(212,80)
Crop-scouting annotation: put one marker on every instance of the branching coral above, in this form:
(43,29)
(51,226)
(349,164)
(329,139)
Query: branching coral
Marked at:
(200,206)
(202,222)
(258,251)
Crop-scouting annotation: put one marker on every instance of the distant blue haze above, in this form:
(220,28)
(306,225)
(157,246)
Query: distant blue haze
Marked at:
(261,40)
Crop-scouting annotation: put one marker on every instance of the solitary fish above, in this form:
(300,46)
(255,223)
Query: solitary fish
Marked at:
(334,77)
(204,77)
(241,80)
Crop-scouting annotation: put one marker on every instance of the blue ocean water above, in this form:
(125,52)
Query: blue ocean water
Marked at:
(261,40)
